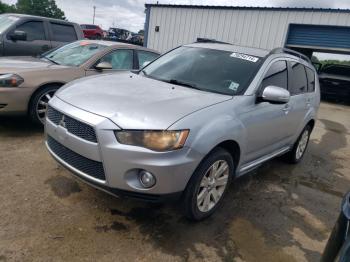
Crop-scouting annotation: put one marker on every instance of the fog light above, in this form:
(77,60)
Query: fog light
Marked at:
(147,179)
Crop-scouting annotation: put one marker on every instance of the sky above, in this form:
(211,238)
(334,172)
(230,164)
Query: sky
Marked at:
(129,14)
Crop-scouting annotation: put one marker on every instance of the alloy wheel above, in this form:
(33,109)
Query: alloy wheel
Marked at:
(42,104)
(213,185)
(302,144)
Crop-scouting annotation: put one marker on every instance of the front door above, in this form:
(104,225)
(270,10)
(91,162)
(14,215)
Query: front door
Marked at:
(267,123)
(37,41)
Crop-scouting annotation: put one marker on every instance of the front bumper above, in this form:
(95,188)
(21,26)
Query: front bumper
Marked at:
(14,100)
(121,163)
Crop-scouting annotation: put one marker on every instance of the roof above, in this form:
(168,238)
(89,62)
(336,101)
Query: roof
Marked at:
(250,8)
(41,17)
(233,48)
(117,44)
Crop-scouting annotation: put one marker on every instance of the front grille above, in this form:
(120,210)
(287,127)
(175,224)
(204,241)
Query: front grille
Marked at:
(72,125)
(83,164)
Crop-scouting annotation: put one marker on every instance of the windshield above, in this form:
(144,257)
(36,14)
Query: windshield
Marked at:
(6,21)
(74,54)
(205,69)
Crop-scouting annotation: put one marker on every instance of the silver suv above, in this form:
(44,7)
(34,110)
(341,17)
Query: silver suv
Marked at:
(187,124)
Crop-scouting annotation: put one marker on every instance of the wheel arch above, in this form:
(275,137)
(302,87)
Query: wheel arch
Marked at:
(58,84)
(233,148)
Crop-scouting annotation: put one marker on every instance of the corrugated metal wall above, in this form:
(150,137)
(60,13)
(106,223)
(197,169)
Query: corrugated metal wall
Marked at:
(256,28)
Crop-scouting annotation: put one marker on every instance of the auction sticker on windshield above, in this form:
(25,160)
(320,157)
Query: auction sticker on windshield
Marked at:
(245,57)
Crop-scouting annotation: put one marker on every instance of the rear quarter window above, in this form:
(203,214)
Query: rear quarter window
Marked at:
(63,33)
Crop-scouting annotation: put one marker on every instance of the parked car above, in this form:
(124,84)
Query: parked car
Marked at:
(27,83)
(338,245)
(92,31)
(119,34)
(335,82)
(26,35)
(187,123)
(137,39)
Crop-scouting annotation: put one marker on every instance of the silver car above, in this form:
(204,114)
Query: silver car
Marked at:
(187,124)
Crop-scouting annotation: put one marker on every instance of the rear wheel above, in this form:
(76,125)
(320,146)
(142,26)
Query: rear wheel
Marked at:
(208,185)
(299,148)
(39,103)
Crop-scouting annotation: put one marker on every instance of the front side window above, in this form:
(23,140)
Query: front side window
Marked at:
(34,30)
(74,54)
(7,21)
(206,69)
(298,79)
(310,80)
(146,57)
(277,75)
(119,59)
(63,33)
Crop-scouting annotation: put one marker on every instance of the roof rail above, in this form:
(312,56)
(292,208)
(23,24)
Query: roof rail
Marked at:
(208,40)
(283,50)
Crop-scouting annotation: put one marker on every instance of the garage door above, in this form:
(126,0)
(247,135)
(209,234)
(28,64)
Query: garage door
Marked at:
(319,37)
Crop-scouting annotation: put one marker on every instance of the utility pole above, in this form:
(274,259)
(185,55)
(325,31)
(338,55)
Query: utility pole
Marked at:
(93,19)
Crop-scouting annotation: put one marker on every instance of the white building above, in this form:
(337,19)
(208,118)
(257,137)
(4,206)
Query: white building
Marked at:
(304,29)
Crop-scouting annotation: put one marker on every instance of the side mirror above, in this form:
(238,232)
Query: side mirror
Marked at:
(18,35)
(145,63)
(103,66)
(274,95)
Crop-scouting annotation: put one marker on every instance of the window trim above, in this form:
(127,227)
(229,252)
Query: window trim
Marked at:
(259,90)
(146,51)
(24,21)
(314,72)
(290,83)
(94,63)
(50,23)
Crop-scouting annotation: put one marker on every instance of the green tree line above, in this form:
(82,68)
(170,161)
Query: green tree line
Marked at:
(47,8)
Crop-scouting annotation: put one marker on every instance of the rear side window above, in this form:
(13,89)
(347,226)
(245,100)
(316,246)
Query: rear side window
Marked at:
(277,75)
(310,79)
(298,79)
(34,30)
(145,56)
(63,33)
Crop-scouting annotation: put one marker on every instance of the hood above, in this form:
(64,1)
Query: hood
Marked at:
(136,102)
(24,63)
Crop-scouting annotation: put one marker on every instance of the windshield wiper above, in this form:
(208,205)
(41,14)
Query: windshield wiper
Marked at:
(51,60)
(182,83)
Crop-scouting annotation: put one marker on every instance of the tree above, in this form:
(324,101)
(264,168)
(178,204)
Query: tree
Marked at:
(47,8)
(5,8)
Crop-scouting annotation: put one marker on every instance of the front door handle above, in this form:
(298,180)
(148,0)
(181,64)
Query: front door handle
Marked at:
(286,109)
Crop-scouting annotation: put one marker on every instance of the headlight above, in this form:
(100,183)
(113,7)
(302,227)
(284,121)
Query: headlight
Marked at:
(154,140)
(10,80)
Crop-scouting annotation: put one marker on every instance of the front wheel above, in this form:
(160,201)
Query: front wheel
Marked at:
(208,185)
(39,102)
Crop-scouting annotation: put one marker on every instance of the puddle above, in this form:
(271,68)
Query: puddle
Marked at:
(116,226)
(63,186)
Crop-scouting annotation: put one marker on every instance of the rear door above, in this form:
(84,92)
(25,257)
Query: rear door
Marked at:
(62,33)
(37,41)
(299,101)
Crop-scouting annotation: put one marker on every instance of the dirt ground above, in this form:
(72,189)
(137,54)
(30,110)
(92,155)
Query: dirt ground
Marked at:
(280,212)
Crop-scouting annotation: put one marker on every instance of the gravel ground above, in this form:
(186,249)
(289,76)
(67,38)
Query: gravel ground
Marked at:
(280,212)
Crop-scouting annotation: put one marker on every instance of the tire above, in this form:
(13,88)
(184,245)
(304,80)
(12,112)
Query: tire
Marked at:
(98,37)
(203,188)
(38,103)
(296,154)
